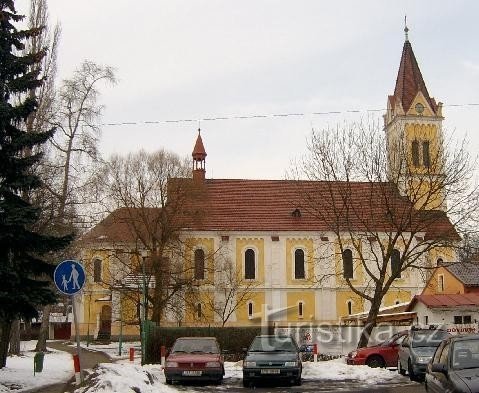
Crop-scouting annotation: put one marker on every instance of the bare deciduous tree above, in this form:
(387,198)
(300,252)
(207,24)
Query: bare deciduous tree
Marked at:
(150,192)
(390,214)
(231,290)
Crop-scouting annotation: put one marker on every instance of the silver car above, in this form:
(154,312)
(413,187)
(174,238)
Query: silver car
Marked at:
(417,349)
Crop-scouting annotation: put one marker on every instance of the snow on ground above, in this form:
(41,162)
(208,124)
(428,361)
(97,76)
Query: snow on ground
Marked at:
(338,370)
(124,376)
(18,374)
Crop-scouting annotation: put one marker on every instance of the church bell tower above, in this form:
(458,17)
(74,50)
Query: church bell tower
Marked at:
(413,125)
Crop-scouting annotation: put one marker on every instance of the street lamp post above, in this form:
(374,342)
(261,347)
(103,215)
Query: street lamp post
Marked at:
(144,308)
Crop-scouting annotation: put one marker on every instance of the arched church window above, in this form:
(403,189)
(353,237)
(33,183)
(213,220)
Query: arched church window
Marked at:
(396,263)
(299,272)
(426,160)
(350,307)
(347,263)
(97,270)
(415,153)
(199,264)
(249,264)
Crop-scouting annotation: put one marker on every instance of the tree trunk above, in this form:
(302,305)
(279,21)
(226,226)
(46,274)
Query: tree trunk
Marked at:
(5,327)
(44,330)
(370,322)
(15,338)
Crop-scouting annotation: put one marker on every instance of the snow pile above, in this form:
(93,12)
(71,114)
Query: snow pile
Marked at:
(125,377)
(18,374)
(338,370)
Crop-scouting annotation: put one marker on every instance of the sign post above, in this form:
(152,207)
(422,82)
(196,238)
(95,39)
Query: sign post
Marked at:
(69,278)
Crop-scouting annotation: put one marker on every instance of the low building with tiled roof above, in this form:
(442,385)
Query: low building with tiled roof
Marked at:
(448,310)
(278,245)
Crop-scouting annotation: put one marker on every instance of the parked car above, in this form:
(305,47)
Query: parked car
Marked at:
(417,349)
(195,358)
(454,366)
(272,358)
(384,354)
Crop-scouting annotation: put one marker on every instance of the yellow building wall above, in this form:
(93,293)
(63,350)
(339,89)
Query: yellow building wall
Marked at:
(256,244)
(393,296)
(358,272)
(307,246)
(451,284)
(258,300)
(420,186)
(207,245)
(342,298)
(309,306)
(205,298)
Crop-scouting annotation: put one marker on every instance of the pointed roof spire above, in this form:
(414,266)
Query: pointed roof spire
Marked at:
(406,30)
(199,152)
(409,80)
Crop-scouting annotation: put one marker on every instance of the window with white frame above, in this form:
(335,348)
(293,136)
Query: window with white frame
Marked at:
(199,264)
(249,264)
(440,283)
(300,310)
(250,310)
(347,263)
(97,270)
(396,263)
(299,270)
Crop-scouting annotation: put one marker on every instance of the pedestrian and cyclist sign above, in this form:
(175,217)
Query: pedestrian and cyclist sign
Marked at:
(69,277)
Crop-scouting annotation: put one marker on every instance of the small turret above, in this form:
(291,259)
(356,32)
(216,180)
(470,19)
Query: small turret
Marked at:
(199,156)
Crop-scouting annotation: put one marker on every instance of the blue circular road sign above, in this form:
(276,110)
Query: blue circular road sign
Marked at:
(69,277)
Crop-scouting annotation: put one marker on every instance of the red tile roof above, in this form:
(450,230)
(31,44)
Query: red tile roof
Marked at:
(409,80)
(445,301)
(282,205)
(268,205)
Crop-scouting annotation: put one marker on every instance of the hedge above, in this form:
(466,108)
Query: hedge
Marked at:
(231,339)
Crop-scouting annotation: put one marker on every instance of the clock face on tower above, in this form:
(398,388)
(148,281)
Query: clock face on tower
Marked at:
(419,108)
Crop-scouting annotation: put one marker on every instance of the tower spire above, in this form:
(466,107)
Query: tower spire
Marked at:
(406,29)
(199,156)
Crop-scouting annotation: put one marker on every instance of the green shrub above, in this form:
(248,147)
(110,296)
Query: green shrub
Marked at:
(231,339)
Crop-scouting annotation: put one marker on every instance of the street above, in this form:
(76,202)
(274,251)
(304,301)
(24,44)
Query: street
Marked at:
(318,385)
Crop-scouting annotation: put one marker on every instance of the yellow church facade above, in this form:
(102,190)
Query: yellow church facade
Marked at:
(288,268)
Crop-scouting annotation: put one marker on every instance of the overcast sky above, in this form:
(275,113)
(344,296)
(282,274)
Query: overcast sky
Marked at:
(200,59)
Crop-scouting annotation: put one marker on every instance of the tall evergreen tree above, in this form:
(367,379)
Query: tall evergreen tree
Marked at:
(24,275)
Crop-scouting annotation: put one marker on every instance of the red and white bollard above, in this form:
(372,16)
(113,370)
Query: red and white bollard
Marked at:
(315,352)
(132,354)
(163,355)
(76,366)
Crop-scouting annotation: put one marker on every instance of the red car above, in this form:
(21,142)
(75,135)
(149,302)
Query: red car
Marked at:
(195,359)
(384,354)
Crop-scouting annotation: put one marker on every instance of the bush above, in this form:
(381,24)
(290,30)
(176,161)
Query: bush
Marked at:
(231,339)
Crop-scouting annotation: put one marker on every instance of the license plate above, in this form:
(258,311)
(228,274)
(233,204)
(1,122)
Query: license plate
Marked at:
(270,371)
(190,373)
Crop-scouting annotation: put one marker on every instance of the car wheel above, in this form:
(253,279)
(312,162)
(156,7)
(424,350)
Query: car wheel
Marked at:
(375,361)
(298,381)
(168,381)
(410,371)
(400,369)
(247,383)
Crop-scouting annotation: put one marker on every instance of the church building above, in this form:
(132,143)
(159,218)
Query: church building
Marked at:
(259,256)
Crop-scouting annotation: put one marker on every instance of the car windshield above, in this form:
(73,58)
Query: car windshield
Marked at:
(273,344)
(389,341)
(200,345)
(465,354)
(428,338)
